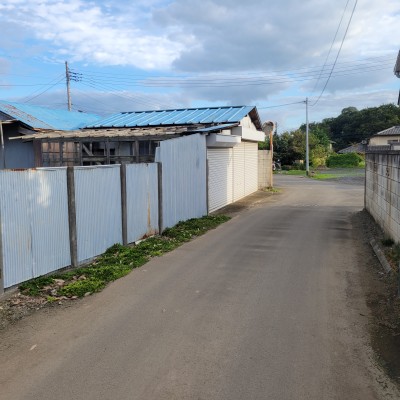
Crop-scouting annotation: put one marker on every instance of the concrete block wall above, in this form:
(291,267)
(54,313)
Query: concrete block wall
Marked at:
(382,190)
(264,169)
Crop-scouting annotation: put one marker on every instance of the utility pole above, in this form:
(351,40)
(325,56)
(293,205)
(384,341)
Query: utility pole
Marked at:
(307,147)
(68,85)
(271,149)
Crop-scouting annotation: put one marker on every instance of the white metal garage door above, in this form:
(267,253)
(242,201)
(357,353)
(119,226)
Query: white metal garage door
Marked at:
(233,174)
(239,172)
(250,167)
(220,174)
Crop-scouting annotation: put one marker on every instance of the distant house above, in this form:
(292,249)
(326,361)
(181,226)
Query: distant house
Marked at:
(355,148)
(19,120)
(386,137)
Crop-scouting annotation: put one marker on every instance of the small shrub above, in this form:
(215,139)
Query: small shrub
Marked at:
(348,160)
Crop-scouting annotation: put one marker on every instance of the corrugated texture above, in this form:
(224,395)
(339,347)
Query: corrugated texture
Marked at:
(233,174)
(393,131)
(220,178)
(217,128)
(239,171)
(251,168)
(142,200)
(46,118)
(34,223)
(98,209)
(186,116)
(183,178)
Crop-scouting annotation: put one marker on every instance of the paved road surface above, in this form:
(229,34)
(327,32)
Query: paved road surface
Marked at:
(264,307)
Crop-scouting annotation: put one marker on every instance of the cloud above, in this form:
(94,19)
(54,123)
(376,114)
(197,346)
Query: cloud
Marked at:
(280,44)
(84,31)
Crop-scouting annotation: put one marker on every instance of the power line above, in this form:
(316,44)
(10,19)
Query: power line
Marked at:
(352,62)
(337,55)
(281,105)
(34,95)
(165,82)
(333,42)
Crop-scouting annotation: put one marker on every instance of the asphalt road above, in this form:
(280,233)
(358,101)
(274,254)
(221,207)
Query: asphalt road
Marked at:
(266,306)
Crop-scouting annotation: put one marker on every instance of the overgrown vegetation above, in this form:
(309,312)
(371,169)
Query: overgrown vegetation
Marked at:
(348,160)
(117,262)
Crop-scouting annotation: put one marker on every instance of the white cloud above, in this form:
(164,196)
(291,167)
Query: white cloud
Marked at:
(86,32)
(231,37)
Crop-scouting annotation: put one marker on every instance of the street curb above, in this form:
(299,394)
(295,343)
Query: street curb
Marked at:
(381,257)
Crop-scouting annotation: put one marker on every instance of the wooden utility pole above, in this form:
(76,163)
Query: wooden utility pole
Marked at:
(67,77)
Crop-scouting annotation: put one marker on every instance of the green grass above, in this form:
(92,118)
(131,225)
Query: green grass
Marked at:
(332,173)
(293,172)
(118,261)
(271,190)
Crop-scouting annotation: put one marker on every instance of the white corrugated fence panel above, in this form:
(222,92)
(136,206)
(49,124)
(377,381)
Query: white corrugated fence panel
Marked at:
(251,168)
(34,223)
(142,200)
(98,209)
(183,178)
(239,171)
(220,178)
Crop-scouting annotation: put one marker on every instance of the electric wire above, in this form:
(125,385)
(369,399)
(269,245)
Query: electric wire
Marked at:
(28,98)
(333,42)
(337,55)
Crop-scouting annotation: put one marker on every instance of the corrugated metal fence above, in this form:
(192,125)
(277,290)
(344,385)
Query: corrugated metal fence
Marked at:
(34,223)
(51,218)
(184,178)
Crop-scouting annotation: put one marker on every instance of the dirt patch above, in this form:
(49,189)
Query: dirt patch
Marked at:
(381,291)
(17,306)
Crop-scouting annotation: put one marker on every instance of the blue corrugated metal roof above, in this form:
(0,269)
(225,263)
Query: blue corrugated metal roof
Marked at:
(45,118)
(186,116)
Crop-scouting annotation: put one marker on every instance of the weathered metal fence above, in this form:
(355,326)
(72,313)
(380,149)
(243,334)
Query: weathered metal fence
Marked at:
(184,178)
(34,223)
(51,218)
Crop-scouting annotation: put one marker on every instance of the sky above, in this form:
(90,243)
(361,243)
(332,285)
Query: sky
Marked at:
(165,54)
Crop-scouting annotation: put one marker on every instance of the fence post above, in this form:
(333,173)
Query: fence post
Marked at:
(160,199)
(124,214)
(73,244)
(1,261)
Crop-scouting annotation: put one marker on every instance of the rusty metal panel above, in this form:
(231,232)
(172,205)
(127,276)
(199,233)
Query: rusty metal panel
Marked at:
(184,193)
(34,223)
(98,209)
(142,200)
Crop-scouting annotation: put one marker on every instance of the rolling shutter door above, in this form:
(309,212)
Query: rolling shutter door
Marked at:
(239,172)
(251,168)
(220,173)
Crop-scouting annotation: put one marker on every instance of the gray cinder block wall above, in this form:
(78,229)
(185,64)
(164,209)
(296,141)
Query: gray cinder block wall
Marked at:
(382,190)
(264,169)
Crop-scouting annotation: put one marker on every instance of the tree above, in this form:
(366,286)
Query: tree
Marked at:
(291,146)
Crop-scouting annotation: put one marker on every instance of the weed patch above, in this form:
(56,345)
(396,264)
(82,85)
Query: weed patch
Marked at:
(117,262)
